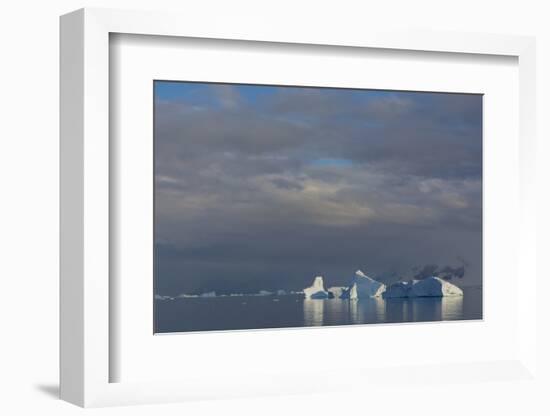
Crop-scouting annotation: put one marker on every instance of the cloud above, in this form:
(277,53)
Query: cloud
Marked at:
(445,272)
(227,96)
(269,189)
(389,108)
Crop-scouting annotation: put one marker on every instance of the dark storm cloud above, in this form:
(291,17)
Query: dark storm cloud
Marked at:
(445,272)
(263,191)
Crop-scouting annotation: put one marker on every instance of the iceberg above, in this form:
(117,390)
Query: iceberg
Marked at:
(281,292)
(316,290)
(336,291)
(362,287)
(399,290)
(429,287)
(434,286)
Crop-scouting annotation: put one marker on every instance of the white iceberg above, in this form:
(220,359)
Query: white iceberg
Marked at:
(264,293)
(429,287)
(316,290)
(336,291)
(281,292)
(363,287)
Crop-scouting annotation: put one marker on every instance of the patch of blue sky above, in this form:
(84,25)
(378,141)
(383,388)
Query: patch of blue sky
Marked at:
(176,90)
(202,95)
(199,91)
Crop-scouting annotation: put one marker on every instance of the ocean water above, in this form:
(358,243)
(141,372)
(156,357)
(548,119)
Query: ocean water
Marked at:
(256,312)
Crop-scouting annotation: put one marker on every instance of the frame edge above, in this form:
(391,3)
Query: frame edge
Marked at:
(71,202)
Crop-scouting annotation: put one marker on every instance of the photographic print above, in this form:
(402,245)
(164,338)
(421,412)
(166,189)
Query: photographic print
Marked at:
(289,206)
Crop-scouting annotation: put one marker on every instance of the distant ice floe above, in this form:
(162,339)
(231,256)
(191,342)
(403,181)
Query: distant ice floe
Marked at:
(213,294)
(163,297)
(209,295)
(185,295)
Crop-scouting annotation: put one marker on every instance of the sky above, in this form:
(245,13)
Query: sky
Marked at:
(266,187)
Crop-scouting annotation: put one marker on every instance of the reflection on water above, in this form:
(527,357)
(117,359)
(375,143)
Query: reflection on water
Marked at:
(378,310)
(451,307)
(247,312)
(314,312)
(335,310)
(354,311)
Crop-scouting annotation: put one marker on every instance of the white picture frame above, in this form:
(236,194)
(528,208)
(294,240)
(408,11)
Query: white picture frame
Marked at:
(86,331)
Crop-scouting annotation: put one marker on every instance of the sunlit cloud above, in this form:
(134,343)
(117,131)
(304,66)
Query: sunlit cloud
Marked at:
(266,185)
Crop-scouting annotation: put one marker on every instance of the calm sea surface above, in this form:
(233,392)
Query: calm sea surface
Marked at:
(254,312)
